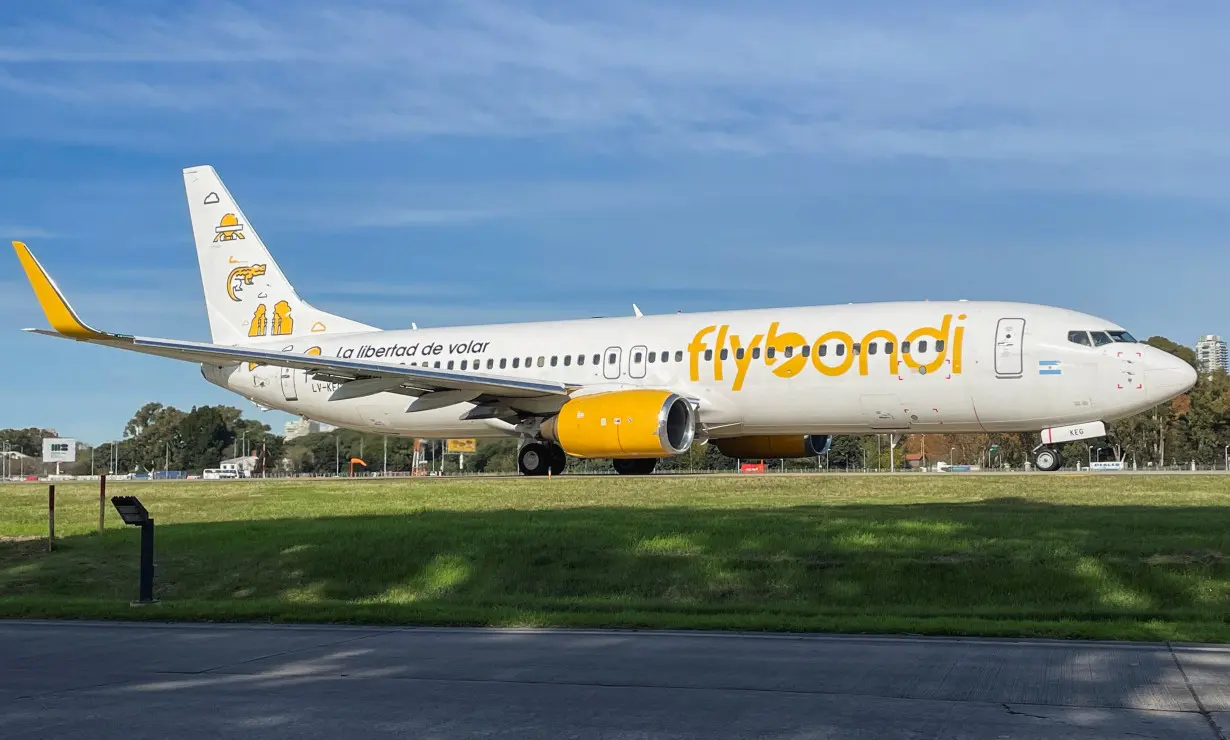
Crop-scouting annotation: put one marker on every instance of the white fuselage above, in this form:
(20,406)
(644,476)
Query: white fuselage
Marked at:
(1002,367)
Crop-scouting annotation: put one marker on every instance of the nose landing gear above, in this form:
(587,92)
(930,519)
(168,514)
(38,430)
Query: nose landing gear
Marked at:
(1047,459)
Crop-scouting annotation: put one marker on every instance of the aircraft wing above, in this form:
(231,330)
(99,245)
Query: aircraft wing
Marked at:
(67,325)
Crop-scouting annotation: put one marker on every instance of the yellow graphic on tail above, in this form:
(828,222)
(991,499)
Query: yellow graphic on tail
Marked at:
(229,229)
(240,277)
(282,321)
(259,323)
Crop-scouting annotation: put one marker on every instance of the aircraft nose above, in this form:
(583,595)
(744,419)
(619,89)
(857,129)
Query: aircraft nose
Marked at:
(1167,376)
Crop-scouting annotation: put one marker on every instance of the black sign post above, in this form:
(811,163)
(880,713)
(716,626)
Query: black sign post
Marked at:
(132,512)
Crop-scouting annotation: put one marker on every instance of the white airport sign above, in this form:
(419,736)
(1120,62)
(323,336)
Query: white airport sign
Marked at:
(58,450)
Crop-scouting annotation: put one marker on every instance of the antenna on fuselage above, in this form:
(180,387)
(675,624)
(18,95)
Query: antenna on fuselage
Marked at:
(636,310)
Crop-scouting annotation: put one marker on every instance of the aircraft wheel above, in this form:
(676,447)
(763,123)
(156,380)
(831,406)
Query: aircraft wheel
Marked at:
(558,459)
(534,458)
(635,466)
(1048,460)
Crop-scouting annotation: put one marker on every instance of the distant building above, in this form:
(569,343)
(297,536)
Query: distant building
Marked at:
(242,466)
(304,427)
(1211,354)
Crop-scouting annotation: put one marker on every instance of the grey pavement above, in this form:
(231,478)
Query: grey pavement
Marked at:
(146,680)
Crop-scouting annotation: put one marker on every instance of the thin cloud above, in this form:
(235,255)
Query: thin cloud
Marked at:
(946,82)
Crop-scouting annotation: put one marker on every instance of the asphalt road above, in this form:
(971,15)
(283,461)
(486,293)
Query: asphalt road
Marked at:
(77,680)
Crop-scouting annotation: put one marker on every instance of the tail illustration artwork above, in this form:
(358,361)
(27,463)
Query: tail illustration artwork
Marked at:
(247,296)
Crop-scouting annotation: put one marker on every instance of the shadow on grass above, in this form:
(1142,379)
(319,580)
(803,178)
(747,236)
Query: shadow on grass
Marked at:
(1003,566)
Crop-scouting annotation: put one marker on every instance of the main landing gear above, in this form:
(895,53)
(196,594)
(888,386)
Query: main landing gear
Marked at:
(540,458)
(635,466)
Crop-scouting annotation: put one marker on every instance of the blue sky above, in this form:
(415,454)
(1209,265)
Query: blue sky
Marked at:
(450,163)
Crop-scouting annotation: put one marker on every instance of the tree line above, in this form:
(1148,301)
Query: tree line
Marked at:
(1194,427)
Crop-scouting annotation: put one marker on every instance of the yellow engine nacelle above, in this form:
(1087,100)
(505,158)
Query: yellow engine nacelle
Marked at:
(769,446)
(623,424)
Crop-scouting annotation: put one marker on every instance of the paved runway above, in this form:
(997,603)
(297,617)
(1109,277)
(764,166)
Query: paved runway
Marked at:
(76,680)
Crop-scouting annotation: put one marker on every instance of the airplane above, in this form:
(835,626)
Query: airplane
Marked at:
(763,383)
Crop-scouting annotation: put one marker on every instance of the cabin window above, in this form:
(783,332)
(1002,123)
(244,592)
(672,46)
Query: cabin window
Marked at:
(580,359)
(1079,337)
(805,350)
(637,357)
(516,362)
(679,356)
(450,364)
(490,363)
(653,356)
(529,362)
(841,350)
(725,354)
(709,355)
(541,360)
(789,352)
(939,345)
(888,348)
(464,363)
(1100,338)
(871,348)
(769,352)
(858,348)
(738,354)
(567,360)
(503,362)
(755,353)
(822,350)
(666,356)
(922,345)
(437,363)
(905,348)
(610,359)
(597,359)
(554,360)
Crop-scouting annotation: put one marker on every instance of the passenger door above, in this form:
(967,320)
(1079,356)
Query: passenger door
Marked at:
(289,391)
(1010,348)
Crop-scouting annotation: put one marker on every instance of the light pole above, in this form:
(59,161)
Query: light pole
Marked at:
(337,456)
(1227,454)
(952,455)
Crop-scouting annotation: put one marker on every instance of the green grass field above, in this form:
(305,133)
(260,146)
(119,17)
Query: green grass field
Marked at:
(1100,556)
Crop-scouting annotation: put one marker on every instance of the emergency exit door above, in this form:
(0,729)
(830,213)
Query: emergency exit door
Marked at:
(610,363)
(1010,348)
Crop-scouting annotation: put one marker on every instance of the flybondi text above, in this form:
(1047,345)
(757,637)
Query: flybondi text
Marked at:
(716,351)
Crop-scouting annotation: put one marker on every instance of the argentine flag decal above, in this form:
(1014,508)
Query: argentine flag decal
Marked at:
(1049,367)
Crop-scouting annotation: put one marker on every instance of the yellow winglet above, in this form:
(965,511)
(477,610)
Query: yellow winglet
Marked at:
(59,314)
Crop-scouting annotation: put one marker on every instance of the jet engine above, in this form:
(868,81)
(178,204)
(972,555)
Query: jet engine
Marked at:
(769,446)
(623,424)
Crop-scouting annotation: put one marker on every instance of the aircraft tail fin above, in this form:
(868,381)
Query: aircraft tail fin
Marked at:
(247,296)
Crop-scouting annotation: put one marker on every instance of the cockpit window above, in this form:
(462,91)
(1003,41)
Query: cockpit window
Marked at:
(1080,337)
(1121,336)
(1100,338)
